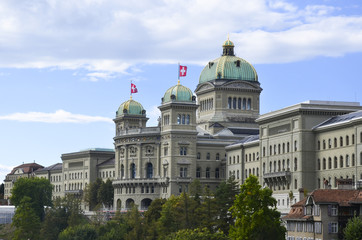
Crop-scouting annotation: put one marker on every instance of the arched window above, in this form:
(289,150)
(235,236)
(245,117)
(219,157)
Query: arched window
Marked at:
(234,103)
(183,118)
(347,140)
(335,162)
(329,163)
(133,170)
(353,160)
(179,119)
(249,104)
(229,102)
(287,147)
(244,103)
(198,172)
(335,142)
(324,164)
(237,174)
(341,141)
(239,103)
(198,155)
(207,172)
(347,160)
(149,170)
(324,144)
(208,156)
(352,138)
(295,164)
(341,161)
(188,119)
(217,173)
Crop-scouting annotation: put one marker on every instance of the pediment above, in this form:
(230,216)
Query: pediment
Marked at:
(239,84)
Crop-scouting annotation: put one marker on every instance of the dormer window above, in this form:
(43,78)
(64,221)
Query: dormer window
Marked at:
(237,63)
(211,64)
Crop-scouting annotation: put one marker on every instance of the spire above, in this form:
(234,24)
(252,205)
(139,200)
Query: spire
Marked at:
(228,48)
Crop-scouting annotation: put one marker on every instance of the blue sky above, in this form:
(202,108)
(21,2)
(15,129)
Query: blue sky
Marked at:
(66,66)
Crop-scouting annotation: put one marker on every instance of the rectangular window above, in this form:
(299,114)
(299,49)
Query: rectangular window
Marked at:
(332,227)
(334,210)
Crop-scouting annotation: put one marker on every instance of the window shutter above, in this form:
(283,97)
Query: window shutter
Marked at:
(329,210)
(329,227)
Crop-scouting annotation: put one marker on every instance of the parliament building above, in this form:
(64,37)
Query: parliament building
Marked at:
(217,132)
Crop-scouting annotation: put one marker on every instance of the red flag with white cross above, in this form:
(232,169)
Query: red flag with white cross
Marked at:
(183,71)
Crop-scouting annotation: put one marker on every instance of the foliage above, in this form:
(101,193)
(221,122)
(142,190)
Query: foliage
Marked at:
(225,196)
(196,234)
(26,220)
(135,224)
(255,213)
(353,230)
(39,190)
(112,230)
(99,192)
(85,231)
(106,193)
(196,189)
(7,231)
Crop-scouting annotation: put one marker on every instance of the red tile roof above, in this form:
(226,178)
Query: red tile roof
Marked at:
(27,167)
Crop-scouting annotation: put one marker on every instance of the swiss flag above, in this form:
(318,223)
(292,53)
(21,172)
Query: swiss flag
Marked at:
(183,70)
(133,88)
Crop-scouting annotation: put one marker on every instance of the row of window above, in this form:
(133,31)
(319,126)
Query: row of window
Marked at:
(143,189)
(132,170)
(207,104)
(298,226)
(281,165)
(104,174)
(55,178)
(208,156)
(280,185)
(77,175)
(343,162)
(328,181)
(74,186)
(335,142)
(207,172)
(280,148)
(239,103)
(183,119)
(253,171)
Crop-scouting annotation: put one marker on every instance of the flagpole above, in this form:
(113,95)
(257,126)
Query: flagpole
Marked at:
(131,89)
(178,70)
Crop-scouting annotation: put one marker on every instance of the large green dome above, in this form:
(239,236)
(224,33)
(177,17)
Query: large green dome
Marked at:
(178,93)
(131,107)
(228,67)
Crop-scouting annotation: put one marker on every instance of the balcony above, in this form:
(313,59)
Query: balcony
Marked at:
(140,181)
(277,176)
(136,131)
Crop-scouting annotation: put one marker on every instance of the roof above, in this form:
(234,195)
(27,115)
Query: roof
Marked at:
(178,93)
(341,119)
(54,167)
(297,212)
(27,167)
(342,197)
(248,131)
(248,139)
(109,162)
(98,149)
(131,107)
(228,67)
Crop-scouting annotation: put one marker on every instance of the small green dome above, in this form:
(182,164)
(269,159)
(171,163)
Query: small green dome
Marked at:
(228,67)
(178,93)
(131,107)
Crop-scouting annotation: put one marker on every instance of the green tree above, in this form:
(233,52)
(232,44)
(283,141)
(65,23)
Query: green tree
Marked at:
(26,221)
(105,193)
(225,196)
(39,190)
(353,229)
(152,215)
(91,193)
(196,234)
(256,214)
(196,190)
(135,223)
(208,211)
(80,232)
(112,230)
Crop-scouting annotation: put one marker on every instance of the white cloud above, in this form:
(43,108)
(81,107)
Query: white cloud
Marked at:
(114,36)
(153,113)
(59,116)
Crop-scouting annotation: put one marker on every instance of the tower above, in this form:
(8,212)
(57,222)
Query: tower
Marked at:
(178,138)
(228,93)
